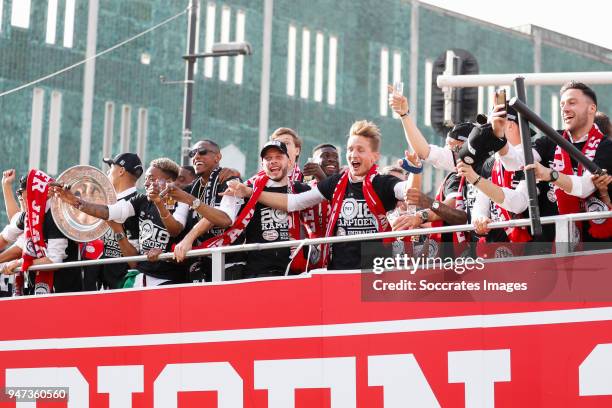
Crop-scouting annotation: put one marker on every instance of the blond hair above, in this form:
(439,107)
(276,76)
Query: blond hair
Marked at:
(167,165)
(297,140)
(367,129)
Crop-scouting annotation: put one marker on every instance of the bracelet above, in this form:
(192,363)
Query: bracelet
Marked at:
(405,113)
(477,180)
(410,168)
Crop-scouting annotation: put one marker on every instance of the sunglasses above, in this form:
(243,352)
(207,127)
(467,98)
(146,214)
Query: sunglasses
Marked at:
(19,192)
(201,151)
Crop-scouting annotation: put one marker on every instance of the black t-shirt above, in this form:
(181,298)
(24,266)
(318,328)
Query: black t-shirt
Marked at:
(269,225)
(355,217)
(153,234)
(211,198)
(111,246)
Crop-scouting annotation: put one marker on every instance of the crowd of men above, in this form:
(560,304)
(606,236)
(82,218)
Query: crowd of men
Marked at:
(205,205)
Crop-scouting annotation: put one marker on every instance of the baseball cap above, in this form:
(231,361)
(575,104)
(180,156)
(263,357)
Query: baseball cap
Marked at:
(512,115)
(274,144)
(461,131)
(129,161)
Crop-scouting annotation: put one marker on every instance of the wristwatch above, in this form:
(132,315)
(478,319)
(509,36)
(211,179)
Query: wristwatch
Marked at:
(424,215)
(554,176)
(196,204)
(119,236)
(435,205)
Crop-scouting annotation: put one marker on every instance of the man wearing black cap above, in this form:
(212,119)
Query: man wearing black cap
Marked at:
(124,172)
(258,223)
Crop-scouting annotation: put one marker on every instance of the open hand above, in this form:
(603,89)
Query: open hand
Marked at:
(237,189)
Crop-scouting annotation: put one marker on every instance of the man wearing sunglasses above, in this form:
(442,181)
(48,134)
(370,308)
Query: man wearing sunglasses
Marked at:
(205,193)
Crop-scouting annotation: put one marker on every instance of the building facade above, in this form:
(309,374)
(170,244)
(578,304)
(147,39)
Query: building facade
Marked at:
(316,66)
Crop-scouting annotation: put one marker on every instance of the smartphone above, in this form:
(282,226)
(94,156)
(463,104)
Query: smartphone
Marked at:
(500,98)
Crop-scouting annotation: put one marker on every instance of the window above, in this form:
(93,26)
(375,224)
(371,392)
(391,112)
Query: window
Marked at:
(318,85)
(55,117)
(397,72)
(384,81)
(304,78)
(142,130)
(109,124)
(291,42)
(239,60)
(69,23)
(226,14)
(1,4)
(51,21)
(554,111)
(481,99)
(126,124)
(20,16)
(38,103)
(331,70)
(427,93)
(209,39)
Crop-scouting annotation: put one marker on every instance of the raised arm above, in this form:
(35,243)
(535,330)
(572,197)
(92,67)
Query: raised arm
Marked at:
(414,137)
(10,203)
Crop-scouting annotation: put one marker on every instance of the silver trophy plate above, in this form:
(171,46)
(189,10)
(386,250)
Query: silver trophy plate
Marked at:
(93,186)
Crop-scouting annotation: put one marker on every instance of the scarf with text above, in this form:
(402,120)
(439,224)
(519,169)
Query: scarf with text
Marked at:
(372,200)
(35,245)
(230,235)
(296,174)
(242,221)
(460,237)
(569,204)
(503,178)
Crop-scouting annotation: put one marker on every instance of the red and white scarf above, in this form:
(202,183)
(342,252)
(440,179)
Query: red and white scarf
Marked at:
(460,237)
(246,215)
(569,204)
(35,245)
(296,174)
(242,221)
(372,200)
(503,178)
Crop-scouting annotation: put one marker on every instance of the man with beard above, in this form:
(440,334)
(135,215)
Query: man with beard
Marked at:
(260,223)
(294,147)
(359,197)
(205,191)
(572,184)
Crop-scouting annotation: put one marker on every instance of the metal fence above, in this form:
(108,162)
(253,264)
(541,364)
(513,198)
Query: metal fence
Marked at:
(564,228)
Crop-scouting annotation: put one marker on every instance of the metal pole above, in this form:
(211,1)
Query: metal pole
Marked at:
(189,68)
(534,209)
(539,78)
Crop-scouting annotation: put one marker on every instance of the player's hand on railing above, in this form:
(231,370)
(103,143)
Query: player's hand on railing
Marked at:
(153,254)
(181,249)
(481,225)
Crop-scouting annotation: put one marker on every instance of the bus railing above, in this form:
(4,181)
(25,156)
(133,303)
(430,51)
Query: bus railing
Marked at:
(564,232)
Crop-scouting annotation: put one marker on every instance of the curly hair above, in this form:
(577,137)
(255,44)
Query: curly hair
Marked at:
(168,166)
